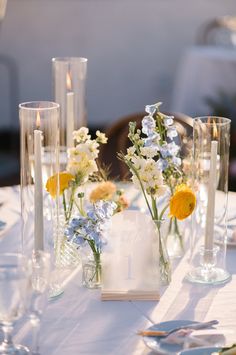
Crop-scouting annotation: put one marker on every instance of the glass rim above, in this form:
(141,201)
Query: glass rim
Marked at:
(49,105)
(203,119)
(69,59)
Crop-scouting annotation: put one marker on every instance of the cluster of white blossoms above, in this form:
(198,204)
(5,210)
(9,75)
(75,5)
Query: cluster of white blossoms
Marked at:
(150,175)
(82,158)
(153,157)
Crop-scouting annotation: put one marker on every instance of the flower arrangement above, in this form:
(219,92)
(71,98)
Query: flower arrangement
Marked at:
(81,167)
(89,227)
(155,165)
(92,229)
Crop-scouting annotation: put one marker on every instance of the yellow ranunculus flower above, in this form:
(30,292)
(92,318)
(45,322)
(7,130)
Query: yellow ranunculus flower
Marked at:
(183,202)
(103,191)
(64,179)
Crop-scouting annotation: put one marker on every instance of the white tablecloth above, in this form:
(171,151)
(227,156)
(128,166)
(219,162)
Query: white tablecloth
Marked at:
(79,323)
(203,72)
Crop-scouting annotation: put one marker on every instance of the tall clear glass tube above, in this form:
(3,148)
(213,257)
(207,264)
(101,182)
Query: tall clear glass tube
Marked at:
(39,132)
(69,89)
(211,162)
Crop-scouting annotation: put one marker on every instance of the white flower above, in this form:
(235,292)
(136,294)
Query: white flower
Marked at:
(130,152)
(149,152)
(81,135)
(90,148)
(83,168)
(101,137)
(138,162)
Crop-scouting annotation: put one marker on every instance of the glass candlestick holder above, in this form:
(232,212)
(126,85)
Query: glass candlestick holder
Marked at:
(39,134)
(69,89)
(211,137)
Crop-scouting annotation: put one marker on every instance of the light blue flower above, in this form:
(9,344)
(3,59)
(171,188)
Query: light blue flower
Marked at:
(109,208)
(92,215)
(69,232)
(78,239)
(93,227)
(162,164)
(173,148)
(168,120)
(152,140)
(171,132)
(152,108)
(176,161)
(165,151)
(77,222)
(148,125)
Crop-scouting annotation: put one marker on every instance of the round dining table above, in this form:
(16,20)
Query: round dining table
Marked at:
(78,322)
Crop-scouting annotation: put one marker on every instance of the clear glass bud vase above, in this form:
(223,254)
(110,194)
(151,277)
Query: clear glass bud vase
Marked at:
(164,261)
(175,239)
(92,271)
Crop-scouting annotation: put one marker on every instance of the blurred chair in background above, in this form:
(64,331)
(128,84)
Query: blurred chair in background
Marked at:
(3,6)
(219,31)
(118,140)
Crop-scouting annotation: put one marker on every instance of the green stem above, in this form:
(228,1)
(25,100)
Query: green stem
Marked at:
(154,208)
(64,205)
(72,198)
(178,233)
(141,184)
(80,206)
(163,211)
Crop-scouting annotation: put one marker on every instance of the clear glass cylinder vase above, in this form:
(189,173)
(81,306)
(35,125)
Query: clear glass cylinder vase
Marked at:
(164,261)
(69,90)
(39,129)
(211,161)
(39,135)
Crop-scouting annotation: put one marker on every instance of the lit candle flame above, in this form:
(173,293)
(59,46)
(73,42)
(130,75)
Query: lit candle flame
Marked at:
(68,81)
(38,120)
(215,132)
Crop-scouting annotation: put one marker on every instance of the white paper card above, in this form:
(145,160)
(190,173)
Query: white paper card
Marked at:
(131,258)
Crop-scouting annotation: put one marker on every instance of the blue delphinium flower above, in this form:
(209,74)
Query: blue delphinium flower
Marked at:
(92,228)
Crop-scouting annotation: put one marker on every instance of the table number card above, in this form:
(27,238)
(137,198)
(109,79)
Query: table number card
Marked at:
(131,259)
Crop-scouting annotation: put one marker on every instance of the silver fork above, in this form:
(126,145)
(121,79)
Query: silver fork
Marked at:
(194,326)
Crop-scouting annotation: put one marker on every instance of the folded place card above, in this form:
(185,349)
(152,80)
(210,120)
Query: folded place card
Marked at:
(131,259)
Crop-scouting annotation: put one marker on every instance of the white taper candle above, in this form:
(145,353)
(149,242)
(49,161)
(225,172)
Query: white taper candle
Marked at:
(70,119)
(38,192)
(209,231)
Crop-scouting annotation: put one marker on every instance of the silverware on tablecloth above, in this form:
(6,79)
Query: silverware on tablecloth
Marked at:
(163,333)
